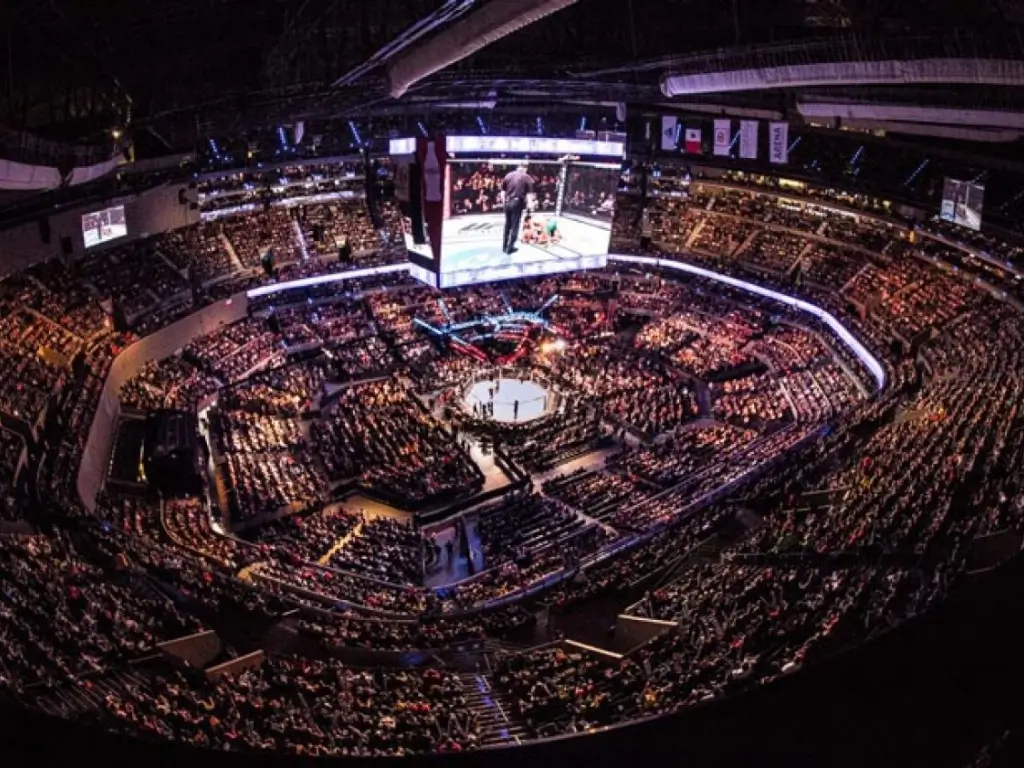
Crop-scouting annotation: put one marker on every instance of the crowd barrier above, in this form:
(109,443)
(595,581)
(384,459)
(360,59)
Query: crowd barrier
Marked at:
(194,651)
(637,631)
(252,660)
(435,516)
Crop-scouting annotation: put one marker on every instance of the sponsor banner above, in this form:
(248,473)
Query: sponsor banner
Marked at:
(778,143)
(692,143)
(669,127)
(723,137)
(748,139)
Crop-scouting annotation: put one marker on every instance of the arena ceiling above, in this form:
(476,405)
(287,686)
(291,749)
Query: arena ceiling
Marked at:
(184,69)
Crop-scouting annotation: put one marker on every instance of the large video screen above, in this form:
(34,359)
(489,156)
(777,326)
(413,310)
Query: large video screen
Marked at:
(104,226)
(962,202)
(567,226)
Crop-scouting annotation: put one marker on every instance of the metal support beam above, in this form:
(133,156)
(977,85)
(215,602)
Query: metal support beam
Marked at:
(892,72)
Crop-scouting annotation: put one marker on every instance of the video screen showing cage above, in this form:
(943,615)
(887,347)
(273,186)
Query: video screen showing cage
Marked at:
(590,191)
(104,226)
(962,203)
(566,224)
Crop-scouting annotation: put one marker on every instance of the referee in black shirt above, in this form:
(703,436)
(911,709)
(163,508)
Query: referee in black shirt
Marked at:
(516,188)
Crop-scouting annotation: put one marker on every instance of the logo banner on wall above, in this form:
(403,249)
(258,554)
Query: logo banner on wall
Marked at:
(778,143)
(748,139)
(433,160)
(723,129)
(693,141)
(669,128)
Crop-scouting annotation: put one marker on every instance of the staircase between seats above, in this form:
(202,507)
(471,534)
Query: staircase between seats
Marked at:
(493,710)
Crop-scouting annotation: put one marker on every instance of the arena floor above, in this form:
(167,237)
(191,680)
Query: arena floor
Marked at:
(532,398)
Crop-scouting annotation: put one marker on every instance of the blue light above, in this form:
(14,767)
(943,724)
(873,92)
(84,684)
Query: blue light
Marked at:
(540,126)
(583,123)
(423,128)
(355,132)
(917,172)
(480,123)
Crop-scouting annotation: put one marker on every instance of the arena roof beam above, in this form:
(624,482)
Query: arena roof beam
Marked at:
(1006,72)
(494,21)
(987,118)
(721,110)
(447,13)
(955,132)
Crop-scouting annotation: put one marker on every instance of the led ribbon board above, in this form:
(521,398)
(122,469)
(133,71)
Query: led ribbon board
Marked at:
(518,145)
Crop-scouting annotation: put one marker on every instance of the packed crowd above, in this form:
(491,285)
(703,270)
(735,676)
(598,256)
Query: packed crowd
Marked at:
(478,190)
(264,229)
(134,276)
(199,251)
(835,587)
(170,383)
(264,484)
(543,443)
(300,707)
(12,464)
(306,537)
(63,615)
(717,398)
(522,526)
(327,227)
(378,433)
(384,548)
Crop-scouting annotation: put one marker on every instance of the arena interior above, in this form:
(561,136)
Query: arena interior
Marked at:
(721,464)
